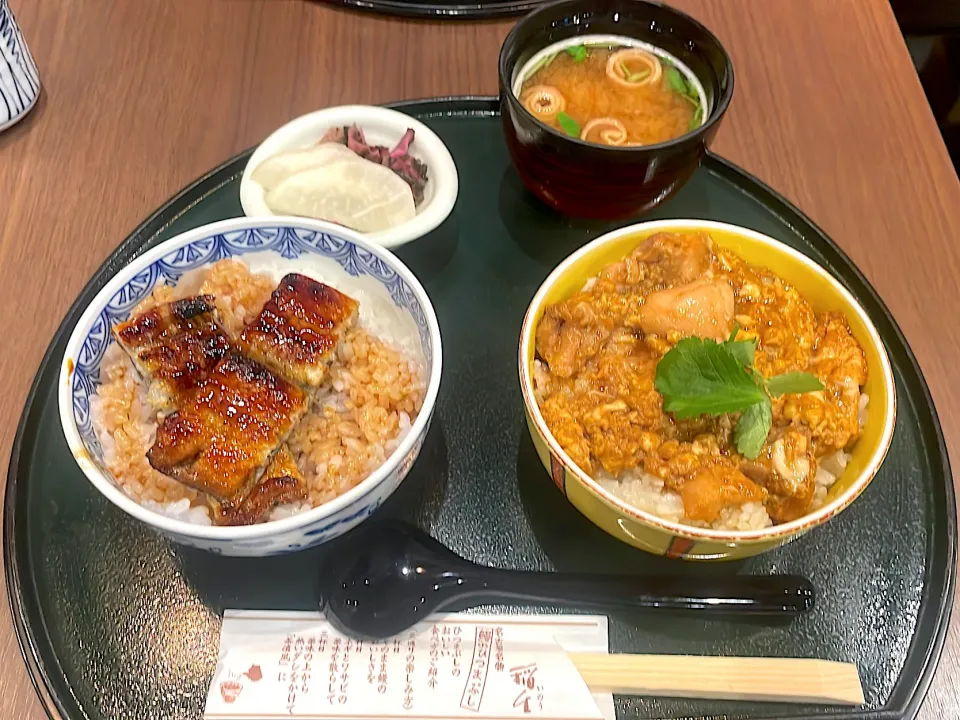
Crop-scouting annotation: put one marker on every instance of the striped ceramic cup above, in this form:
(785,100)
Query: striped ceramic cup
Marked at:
(19,80)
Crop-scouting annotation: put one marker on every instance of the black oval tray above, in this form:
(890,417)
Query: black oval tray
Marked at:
(444,9)
(116,622)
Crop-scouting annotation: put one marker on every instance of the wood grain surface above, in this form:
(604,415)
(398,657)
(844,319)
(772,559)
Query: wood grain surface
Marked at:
(142,96)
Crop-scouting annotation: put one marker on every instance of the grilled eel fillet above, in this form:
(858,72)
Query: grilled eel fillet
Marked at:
(297,331)
(280,483)
(228,429)
(174,347)
(180,348)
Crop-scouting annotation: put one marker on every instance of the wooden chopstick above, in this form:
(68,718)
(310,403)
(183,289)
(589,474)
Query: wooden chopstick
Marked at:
(722,678)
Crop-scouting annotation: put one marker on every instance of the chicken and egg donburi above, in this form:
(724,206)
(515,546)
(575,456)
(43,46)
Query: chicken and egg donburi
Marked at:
(700,388)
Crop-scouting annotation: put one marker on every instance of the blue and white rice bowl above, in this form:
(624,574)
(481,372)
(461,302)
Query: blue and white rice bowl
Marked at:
(385,288)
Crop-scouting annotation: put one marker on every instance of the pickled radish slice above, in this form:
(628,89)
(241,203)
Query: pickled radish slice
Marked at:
(356,193)
(276,168)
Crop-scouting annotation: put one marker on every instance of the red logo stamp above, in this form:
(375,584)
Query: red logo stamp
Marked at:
(230,690)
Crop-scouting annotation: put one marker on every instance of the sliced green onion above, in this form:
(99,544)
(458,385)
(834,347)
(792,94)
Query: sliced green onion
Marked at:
(544,62)
(570,126)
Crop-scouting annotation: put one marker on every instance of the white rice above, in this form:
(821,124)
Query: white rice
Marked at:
(647,493)
(180,510)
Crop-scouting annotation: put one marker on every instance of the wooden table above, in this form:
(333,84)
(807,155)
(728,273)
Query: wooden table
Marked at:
(143,96)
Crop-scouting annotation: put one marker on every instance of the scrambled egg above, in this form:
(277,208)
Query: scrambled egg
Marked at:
(601,347)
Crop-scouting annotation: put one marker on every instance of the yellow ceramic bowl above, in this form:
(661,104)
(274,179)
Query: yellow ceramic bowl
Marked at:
(672,539)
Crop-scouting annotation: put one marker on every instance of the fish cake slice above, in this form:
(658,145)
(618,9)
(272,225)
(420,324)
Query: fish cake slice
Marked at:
(228,430)
(299,328)
(174,347)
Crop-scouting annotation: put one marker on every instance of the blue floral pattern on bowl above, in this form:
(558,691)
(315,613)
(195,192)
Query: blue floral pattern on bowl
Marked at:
(234,239)
(19,79)
(288,242)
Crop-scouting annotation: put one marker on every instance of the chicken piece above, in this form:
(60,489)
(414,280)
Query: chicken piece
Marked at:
(718,429)
(299,328)
(676,258)
(559,343)
(572,332)
(787,468)
(703,308)
(282,483)
(715,487)
(174,347)
(663,260)
(226,432)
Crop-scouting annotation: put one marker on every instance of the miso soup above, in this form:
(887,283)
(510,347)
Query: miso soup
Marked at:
(612,90)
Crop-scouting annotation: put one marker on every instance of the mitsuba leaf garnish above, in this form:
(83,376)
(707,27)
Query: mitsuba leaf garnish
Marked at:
(743,350)
(697,118)
(683,87)
(578,53)
(676,80)
(570,126)
(752,428)
(700,376)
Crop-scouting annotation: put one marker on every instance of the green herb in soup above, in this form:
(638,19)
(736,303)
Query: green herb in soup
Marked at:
(612,95)
(578,53)
(569,125)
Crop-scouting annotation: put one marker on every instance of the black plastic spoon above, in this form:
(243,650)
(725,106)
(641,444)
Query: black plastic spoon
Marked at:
(391,575)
